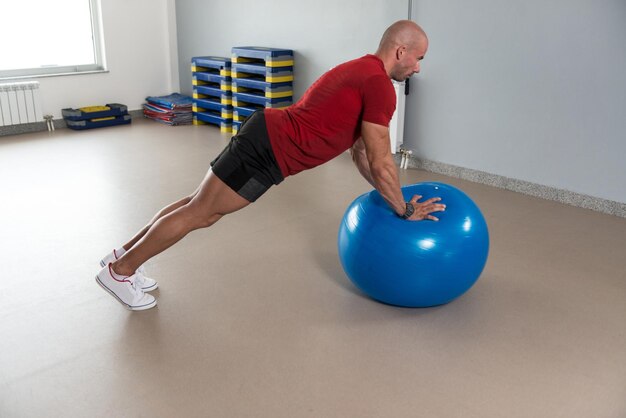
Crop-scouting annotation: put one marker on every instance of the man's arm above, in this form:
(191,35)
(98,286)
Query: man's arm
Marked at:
(359,156)
(381,171)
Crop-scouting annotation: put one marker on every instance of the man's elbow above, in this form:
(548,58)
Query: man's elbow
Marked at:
(380,171)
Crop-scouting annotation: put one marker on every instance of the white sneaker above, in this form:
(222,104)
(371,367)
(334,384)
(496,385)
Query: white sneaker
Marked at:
(126,291)
(144,282)
(109,258)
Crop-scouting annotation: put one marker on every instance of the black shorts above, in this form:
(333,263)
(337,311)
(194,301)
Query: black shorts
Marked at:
(247,164)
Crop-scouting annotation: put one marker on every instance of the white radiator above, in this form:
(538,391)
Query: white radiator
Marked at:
(20,103)
(396,126)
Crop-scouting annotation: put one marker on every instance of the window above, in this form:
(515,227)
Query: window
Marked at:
(43,37)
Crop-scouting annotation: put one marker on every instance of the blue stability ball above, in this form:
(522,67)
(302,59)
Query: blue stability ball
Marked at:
(414,264)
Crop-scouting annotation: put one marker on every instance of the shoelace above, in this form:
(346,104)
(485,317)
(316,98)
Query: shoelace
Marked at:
(136,285)
(139,279)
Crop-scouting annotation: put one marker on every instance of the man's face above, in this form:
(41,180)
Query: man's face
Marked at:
(408,61)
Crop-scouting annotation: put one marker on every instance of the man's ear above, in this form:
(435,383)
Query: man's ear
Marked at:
(399,51)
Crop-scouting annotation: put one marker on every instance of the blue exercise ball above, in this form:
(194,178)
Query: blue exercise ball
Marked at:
(414,263)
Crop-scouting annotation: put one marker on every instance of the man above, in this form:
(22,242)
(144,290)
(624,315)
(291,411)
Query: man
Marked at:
(349,107)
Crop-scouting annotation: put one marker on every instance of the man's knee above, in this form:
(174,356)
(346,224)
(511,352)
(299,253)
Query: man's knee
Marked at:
(200,217)
(206,221)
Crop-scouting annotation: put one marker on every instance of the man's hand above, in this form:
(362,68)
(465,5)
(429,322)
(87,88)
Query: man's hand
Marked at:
(424,209)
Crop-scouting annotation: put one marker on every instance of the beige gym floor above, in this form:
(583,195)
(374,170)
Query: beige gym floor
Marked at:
(255,316)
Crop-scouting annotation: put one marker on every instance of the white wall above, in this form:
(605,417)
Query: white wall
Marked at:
(138,45)
(526,89)
(323,33)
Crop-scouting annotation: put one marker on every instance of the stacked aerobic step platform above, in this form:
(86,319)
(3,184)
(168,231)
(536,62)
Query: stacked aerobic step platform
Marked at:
(96,116)
(212,96)
(261,78)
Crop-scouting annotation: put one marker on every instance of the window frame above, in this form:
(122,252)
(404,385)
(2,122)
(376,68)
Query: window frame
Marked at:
(98,46)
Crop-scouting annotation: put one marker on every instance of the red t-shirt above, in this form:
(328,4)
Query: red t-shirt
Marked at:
(326,121)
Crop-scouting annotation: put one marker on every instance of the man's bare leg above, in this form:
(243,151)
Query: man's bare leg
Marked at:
(165,211)
(213,200)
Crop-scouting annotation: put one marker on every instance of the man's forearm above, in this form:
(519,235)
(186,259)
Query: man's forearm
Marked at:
(385,179)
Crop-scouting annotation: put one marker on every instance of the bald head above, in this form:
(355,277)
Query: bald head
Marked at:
(403,32)
(401,48)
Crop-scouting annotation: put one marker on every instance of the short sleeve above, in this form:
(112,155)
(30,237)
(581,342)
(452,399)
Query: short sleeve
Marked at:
(379,100)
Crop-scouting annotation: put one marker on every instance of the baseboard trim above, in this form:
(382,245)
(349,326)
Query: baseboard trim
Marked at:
(537,190)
